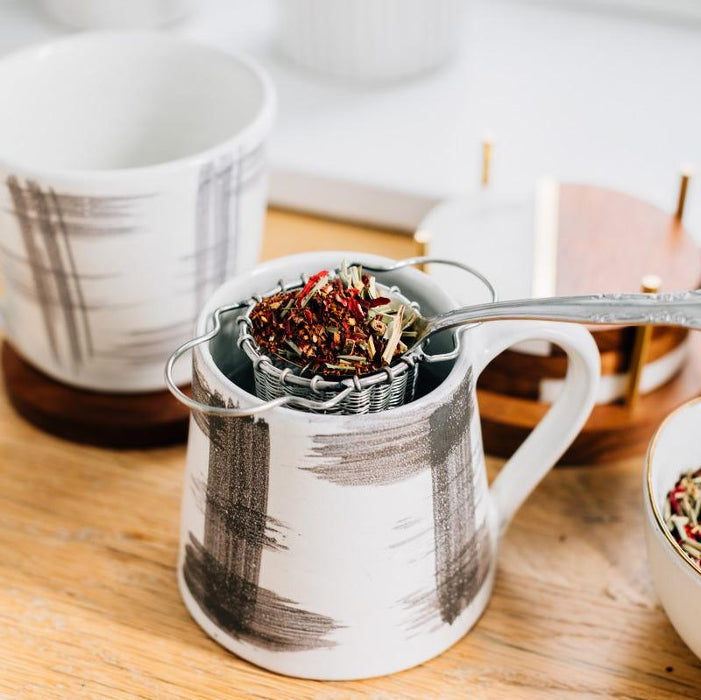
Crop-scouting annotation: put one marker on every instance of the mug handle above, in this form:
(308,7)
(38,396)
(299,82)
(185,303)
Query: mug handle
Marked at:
(553,435)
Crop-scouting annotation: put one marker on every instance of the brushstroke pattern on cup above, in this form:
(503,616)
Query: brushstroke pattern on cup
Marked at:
(122,207)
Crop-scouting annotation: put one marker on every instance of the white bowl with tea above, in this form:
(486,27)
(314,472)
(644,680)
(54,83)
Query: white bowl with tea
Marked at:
(672,498)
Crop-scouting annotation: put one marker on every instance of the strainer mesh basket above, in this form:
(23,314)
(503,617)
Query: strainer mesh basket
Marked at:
(388,388)
(276,383)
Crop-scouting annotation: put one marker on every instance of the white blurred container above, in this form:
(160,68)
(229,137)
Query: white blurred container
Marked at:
(371,40)
(117,14)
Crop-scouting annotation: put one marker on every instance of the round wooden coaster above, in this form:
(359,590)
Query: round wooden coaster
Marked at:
(107,420)
(583,239)
(612,432)
(606,241)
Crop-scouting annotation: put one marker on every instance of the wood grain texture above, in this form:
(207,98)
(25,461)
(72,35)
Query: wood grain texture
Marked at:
(289,232)
(89,606)
(109,420)
(608,241)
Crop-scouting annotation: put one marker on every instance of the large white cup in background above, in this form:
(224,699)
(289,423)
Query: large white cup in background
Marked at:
(370,39)
(132,183)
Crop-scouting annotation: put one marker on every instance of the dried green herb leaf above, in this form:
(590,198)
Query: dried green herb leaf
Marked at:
(394,337)
(294,346)
(332,326)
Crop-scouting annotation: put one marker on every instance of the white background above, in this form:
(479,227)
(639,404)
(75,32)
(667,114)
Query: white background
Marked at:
(602,96)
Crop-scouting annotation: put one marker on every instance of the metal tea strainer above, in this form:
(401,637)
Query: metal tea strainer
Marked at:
(395,385)
(280,386)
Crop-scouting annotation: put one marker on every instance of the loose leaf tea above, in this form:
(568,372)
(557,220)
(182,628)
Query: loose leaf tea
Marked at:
(681,514)
(335,325)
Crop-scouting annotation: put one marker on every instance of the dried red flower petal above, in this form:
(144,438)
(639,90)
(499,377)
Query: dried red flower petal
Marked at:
(682,513)
(329,326)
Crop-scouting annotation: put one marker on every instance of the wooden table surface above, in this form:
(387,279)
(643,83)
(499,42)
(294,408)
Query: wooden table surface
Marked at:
(89,606)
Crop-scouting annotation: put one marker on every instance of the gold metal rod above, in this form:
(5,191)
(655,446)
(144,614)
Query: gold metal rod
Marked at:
(681,200)
(486,162)
(423,238)
(641,347)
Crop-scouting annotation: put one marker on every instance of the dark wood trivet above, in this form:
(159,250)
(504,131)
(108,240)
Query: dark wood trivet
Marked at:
(103,419)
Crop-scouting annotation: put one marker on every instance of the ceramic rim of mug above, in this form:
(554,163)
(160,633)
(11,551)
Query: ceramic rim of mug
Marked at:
(648,482)
(259,124)
(345,387)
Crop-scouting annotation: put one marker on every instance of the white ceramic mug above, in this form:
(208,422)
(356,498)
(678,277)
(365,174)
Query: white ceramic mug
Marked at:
(371,40)
(132,183)
(674,450)
(348,546)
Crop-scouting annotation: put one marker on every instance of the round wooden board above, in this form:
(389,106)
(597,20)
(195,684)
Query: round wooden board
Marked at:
(607,241)
(613,431)
(107,420)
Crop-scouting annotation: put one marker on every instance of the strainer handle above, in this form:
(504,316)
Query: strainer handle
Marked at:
(428,260)
(298,401)
(224,411)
